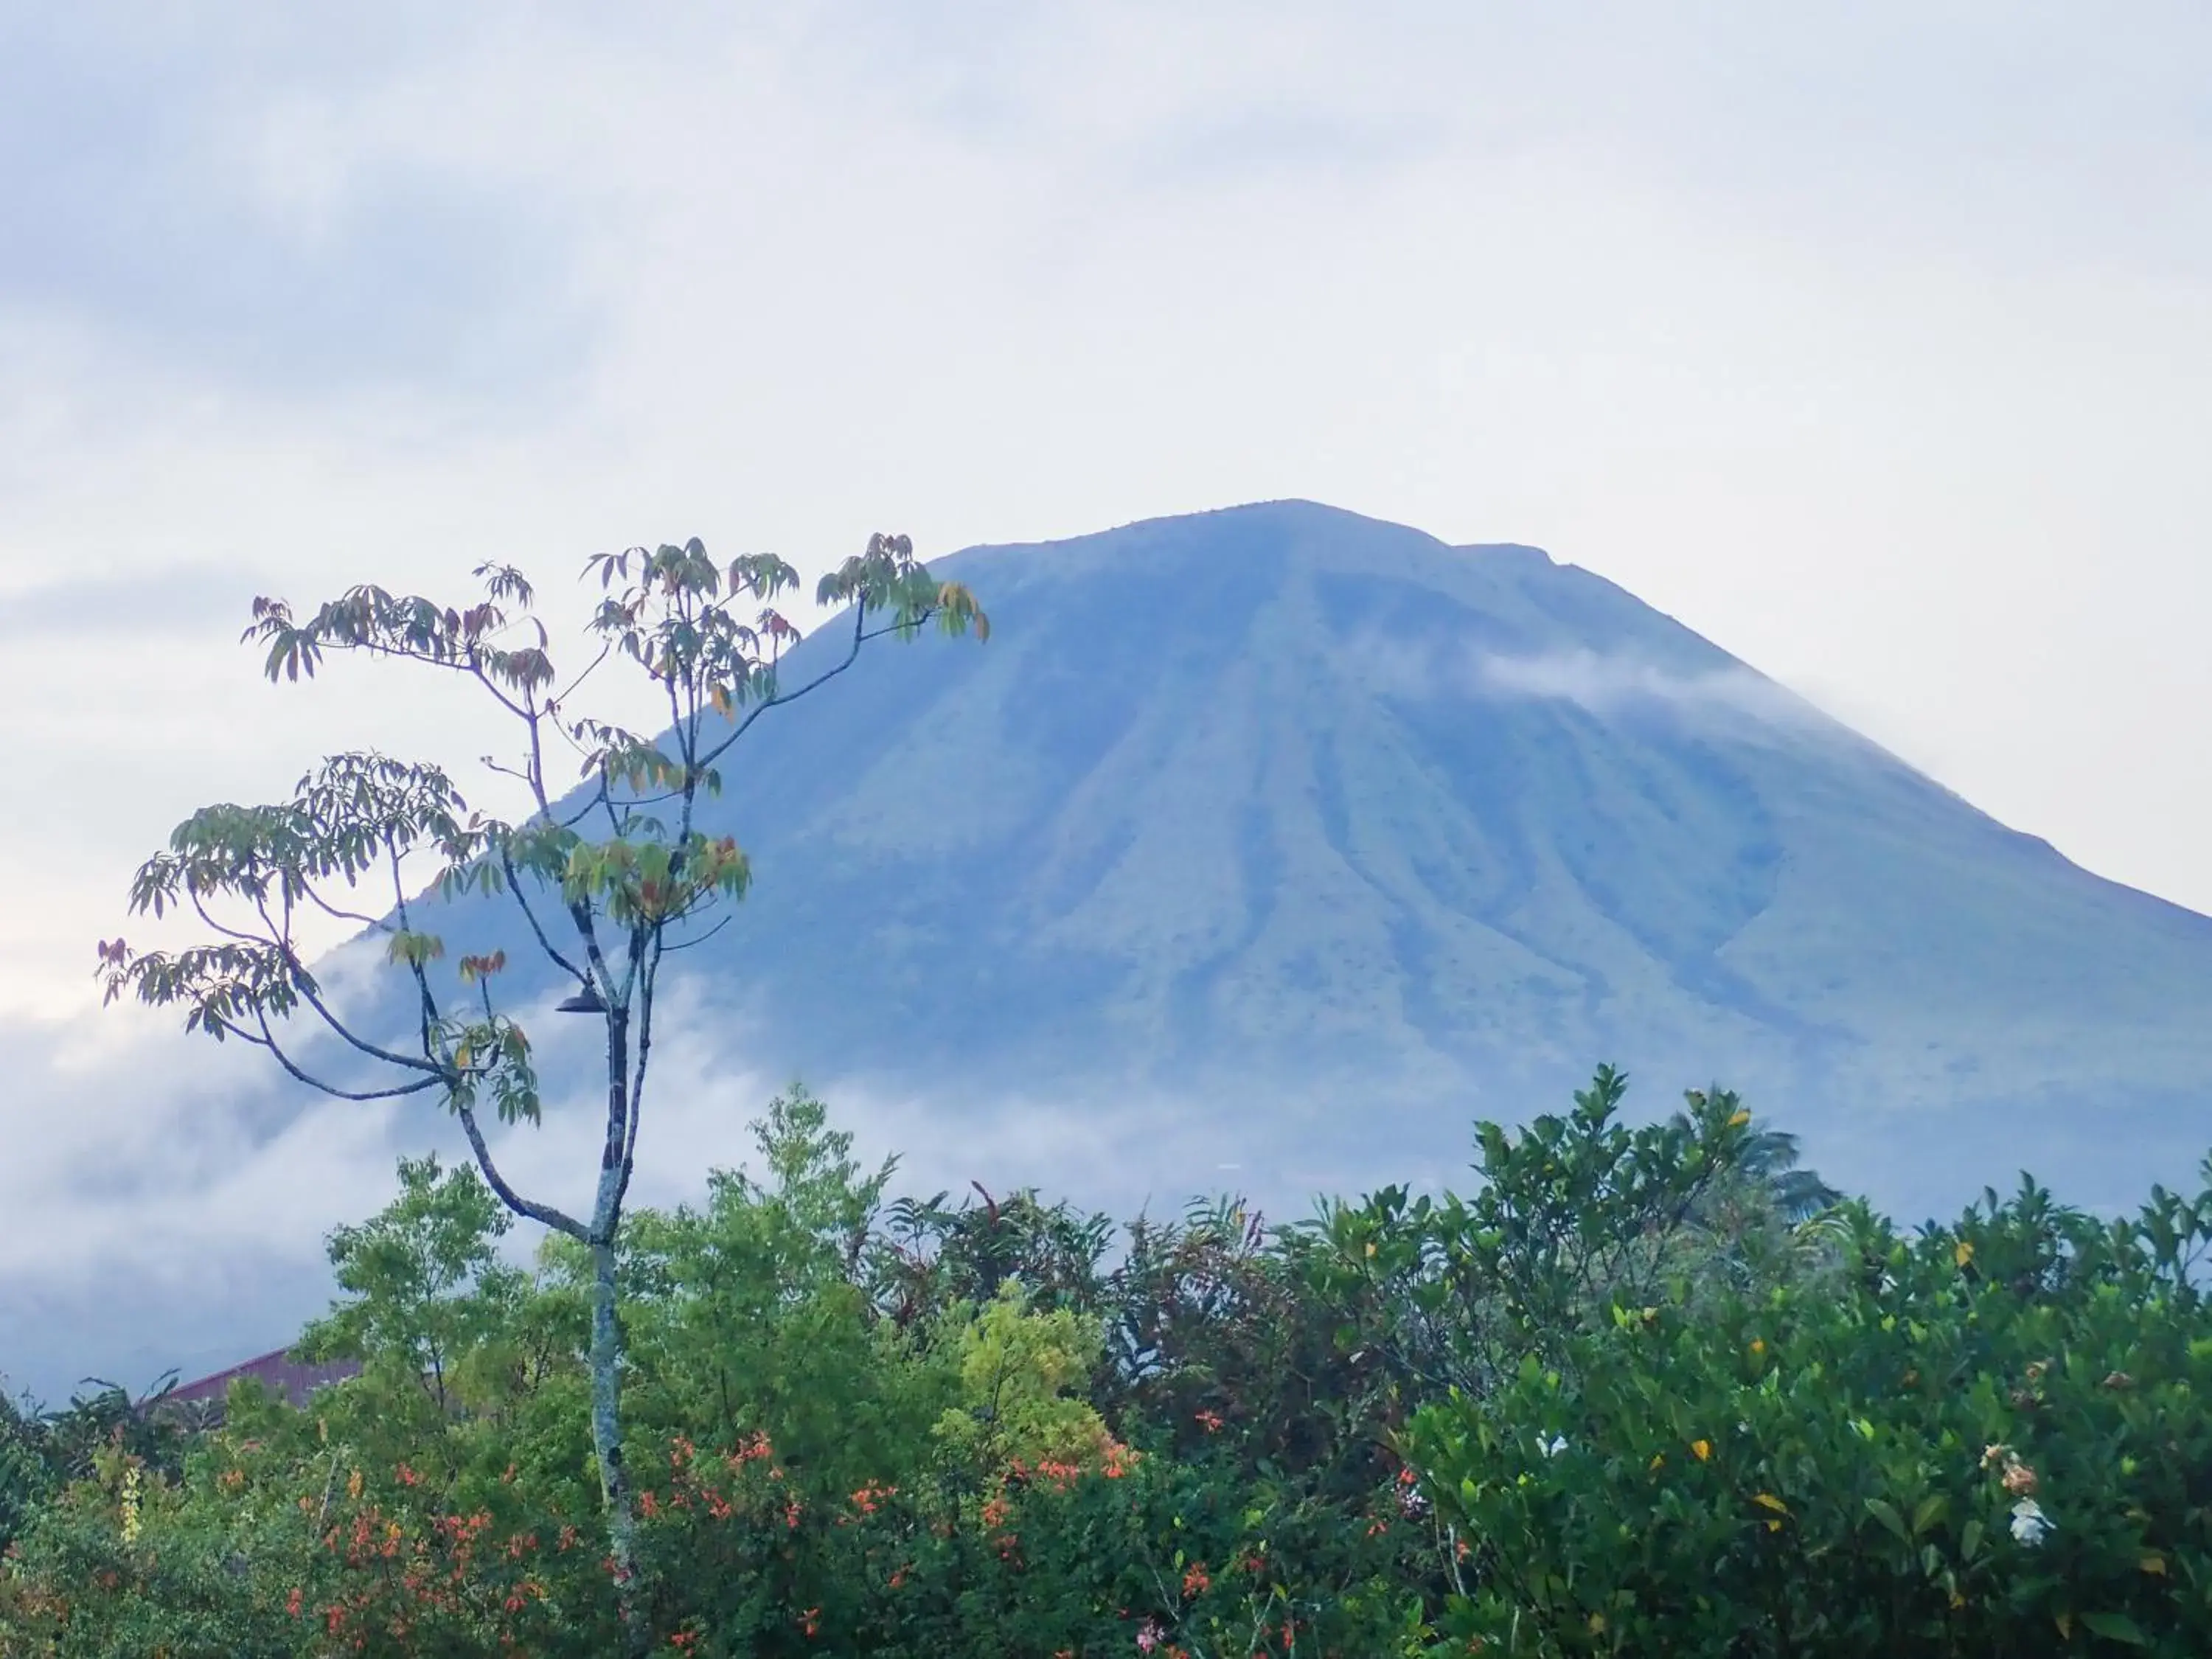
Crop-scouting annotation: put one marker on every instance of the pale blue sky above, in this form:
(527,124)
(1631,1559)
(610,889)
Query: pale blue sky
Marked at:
(1870,340)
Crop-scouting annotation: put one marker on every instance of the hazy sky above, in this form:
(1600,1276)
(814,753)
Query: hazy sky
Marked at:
(1872,341)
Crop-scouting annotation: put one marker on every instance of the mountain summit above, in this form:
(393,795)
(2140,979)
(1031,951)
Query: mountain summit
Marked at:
(1295,839)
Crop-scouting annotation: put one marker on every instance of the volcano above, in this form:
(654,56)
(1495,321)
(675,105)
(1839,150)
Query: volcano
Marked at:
(1282,841)
(1258,851)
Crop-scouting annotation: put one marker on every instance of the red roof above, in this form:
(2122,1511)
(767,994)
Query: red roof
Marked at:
(285,1377)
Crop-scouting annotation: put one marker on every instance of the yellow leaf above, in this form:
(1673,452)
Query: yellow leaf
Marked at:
(1702,1450)
(2065,1623)
(1963,1252)
(1738,1120)
(1768,1500)
(1774,1525)
(1658,1460)
(2154,1563)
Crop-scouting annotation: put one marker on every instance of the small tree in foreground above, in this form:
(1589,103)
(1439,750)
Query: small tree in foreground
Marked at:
(607,877)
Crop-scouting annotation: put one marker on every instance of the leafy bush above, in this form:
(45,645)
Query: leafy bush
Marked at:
(1646,1390)
(1986,1439)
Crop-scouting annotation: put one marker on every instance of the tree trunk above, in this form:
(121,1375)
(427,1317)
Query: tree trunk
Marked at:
(607,1340)
(606,1442)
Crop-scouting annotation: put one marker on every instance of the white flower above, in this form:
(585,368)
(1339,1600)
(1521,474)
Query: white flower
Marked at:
(1552,1446)
(2029,1522)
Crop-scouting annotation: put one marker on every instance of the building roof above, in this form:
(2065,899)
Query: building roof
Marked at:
(288,1379)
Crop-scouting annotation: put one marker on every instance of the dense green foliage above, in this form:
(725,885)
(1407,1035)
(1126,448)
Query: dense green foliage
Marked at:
(1646,1390)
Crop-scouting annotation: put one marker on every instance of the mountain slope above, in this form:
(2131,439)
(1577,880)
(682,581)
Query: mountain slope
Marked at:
(1321,836)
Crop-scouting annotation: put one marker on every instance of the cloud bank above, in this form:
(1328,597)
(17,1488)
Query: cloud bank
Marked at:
(1607,685)
(168,1198)
(1728,698)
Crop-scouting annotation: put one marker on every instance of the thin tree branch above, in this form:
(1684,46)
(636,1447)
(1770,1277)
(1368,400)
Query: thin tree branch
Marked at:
(646,998)
(476,669)
(583,674)
(515,887)
(543,1214)
(687,944)
(243,937)
(374,1051)
(268,1040)
(338,913)
(429,1008)
(852,654)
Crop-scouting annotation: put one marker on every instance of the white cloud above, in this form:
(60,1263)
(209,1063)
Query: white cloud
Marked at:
(168,1201)
(1852,339)
(1608,684)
